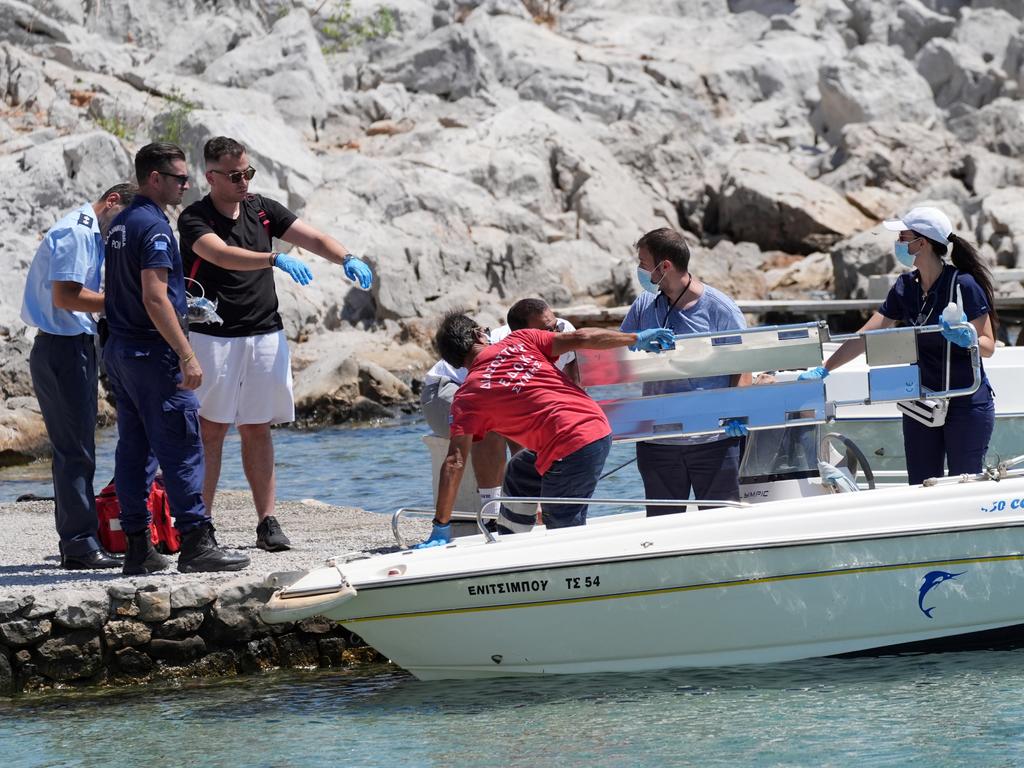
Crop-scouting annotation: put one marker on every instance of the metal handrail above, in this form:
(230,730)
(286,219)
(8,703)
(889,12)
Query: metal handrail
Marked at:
(974,349)
(599,502)
(409,512)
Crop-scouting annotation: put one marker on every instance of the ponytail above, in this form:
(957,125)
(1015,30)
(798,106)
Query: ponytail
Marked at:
(965,257)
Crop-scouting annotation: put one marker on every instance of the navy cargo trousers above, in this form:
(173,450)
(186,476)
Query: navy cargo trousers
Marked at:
(157,420)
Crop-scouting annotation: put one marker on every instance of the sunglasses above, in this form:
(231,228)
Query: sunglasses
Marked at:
(236,176)
(181,178)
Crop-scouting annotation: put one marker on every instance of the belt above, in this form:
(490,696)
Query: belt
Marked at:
(41,332)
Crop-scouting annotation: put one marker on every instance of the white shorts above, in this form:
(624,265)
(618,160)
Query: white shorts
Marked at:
(246,380)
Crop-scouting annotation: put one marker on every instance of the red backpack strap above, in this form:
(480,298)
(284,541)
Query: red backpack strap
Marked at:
(261,213)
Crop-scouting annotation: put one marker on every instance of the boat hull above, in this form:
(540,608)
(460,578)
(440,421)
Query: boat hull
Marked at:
(716,609)
(779,581)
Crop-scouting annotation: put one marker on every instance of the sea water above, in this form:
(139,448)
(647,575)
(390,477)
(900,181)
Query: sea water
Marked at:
(925,710)
(379,467)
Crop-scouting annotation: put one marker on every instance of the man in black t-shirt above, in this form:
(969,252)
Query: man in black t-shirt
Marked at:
(227,248)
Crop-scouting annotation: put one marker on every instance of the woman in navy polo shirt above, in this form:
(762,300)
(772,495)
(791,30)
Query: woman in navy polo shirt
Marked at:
(918,298)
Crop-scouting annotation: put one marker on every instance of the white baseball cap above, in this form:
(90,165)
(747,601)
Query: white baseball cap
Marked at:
(925,220)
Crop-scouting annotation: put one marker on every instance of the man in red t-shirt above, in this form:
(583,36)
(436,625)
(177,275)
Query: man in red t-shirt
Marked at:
(513,388)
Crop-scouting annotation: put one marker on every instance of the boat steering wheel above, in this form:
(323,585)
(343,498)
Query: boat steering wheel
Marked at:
(853,457)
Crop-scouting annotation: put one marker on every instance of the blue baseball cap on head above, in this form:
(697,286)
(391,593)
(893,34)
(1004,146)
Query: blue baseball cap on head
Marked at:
(925,220)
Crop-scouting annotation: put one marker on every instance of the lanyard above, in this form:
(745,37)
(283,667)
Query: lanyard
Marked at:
(673,304)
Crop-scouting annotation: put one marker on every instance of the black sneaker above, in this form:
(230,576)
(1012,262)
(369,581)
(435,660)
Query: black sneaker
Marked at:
(201,553)
(270,537)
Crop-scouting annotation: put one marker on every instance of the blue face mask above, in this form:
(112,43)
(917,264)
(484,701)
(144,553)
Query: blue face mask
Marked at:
(901,250)
(645,281)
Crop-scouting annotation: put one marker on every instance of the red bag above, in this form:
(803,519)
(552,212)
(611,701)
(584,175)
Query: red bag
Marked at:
(162,532)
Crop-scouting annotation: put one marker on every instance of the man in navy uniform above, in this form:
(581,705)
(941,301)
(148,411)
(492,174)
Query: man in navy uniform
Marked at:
(153,372)
(61,294)
(227,246)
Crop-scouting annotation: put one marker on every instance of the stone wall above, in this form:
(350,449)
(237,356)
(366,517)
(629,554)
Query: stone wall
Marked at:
(125,635)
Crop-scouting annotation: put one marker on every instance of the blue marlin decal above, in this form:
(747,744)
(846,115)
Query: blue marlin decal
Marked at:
(931,580)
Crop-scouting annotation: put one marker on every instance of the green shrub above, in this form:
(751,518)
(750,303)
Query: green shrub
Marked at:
(115,125)
(176,118)
(342,29)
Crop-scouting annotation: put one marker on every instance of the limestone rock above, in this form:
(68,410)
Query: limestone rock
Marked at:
(382,386)
(448,62)
(42,607)
(186,623)
(1012,7)
(327,387)
(235,615)
(998,127)
(987,33)
(984,171)
(855,259)
(1002,215)
(919,24)
(813,273)
(23,434)
(290,68)
(125,634)
(14,607)
(873,82)
(733,268)
(767,201)
(70,657)
(154,605)
(79,609)
(192,596)
(23,633)
(958,75)
(893,155)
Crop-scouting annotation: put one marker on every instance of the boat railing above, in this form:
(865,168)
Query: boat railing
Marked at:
(493,505)
(893,376)
(489,511)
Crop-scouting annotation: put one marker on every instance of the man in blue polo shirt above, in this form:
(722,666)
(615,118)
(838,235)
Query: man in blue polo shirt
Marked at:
(707,465)
(153,372)
(62,292)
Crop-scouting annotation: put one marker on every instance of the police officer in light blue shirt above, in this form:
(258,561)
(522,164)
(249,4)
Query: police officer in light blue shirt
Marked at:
(153,373)
(61,294)
(672,298)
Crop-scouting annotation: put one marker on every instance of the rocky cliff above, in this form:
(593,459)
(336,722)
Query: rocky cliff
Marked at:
(480,151)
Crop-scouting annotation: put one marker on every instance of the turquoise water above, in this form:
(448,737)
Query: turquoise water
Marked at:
(938,710)
(380,468)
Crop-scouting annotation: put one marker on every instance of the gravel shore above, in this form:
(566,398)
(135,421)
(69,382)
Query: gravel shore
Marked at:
(29,563)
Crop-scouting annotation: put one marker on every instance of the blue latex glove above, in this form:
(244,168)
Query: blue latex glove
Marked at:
(358,271)
(655,340)
(439,536)
(959,336)
(814,373)
(294,268)
(735,428)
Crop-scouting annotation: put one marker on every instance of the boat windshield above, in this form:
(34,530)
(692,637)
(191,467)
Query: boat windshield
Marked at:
(775,454)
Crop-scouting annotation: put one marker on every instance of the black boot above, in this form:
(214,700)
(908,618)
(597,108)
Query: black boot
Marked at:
(201,552)
(141,558)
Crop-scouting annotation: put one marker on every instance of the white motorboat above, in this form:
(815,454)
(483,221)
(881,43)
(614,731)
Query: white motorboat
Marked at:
(828,570)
